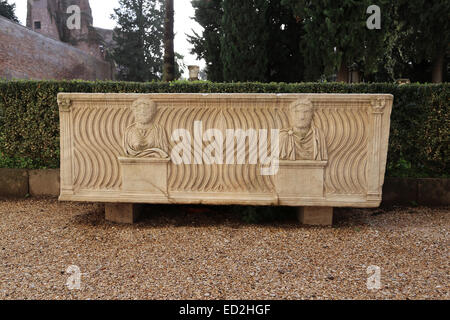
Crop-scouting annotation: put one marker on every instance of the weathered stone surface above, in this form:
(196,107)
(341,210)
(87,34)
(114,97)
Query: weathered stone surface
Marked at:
(145,176)
(308,150)
(122,212)
(25,54)
(53,17)
(44,182)
(400,191)
(316,216)
(434,192)
(301,177)
(13,183)
(193,73)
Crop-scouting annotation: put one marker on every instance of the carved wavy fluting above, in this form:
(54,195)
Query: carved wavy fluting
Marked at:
(103,153)
(350,136)
(93,166)
(219,178)
(200,168)
(88,150)
(98,135)
(246,169)
(355,140)
(332,181)
(184,124)
(105,133)
(228,184)
(266,121)
(238,170)
(194,168)
(231,169)
(170,114)
(177,179)
(210,183)
(81,161)
(346,132)
(207,168)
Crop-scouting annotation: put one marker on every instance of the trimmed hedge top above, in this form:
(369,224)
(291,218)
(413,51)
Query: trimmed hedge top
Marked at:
(419,140)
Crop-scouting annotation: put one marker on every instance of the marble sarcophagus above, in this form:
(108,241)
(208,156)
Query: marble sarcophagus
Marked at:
(314,151)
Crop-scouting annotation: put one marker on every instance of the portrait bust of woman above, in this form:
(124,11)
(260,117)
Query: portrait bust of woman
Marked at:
(144,138)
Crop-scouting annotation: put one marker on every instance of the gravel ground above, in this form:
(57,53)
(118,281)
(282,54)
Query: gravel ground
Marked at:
(179,252)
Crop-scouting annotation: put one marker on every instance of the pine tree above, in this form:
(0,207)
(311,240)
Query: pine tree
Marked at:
(139,39)
(8,10)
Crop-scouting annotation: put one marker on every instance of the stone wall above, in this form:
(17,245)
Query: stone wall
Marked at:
(25,54)
(19,183)
(52,16)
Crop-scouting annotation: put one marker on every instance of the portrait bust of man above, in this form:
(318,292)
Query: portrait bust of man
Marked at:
(302,141)
(144,138)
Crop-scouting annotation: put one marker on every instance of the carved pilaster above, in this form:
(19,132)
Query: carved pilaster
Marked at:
(374,187)
(66,145)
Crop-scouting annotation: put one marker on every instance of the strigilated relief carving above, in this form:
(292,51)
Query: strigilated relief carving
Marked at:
(329,148)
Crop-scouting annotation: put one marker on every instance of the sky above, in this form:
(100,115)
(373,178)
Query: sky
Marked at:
(102,10)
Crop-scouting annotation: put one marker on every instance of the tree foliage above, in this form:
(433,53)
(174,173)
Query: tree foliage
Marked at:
(426,31)
(336,34)
(270,52)
(8,10)
(139,39)
(244,54)
(286,61)
(298,40)
(207,46)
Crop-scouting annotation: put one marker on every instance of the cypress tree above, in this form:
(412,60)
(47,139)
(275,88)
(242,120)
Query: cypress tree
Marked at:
(245,40)
(207,46)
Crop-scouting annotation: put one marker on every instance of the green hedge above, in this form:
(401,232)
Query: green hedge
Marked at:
(29,123)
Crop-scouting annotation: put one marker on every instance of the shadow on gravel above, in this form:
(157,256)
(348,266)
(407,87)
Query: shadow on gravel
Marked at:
(94,216)
(205,216)
(156,216)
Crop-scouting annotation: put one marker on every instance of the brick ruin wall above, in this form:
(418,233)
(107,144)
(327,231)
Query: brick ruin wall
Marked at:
(25,54)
